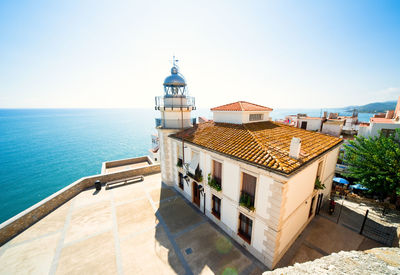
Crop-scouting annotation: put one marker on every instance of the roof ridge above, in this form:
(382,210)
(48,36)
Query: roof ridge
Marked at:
(241,106)
(263,146)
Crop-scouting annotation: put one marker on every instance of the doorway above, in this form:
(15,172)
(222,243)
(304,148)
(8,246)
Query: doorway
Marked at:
(304,125)
(196,194)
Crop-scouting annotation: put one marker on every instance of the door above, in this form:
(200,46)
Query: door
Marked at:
(304,125)
(180,180)
(196,194)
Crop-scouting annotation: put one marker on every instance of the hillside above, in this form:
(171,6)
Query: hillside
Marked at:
(375,107)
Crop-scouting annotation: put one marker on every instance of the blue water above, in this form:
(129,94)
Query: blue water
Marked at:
(44,150)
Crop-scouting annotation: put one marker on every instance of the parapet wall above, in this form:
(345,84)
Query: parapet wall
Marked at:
(121,162)
(25,219)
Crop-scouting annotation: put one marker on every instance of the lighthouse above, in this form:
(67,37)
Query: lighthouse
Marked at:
(175,108)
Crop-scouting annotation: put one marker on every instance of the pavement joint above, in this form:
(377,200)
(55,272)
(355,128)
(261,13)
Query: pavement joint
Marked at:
(188,229)
(60,243)
(117,244)
(86,237)
(319,250)
(177,250)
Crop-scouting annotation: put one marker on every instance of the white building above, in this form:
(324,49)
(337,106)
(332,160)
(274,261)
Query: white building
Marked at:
(386,125)
(305,122)
(253,177)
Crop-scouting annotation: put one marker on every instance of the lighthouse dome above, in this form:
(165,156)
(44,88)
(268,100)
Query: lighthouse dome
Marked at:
(175,79)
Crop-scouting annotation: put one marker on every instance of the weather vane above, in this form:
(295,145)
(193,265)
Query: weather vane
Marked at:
(174,61)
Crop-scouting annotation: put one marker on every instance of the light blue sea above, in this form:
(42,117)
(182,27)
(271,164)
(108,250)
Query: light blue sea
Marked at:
(44,150)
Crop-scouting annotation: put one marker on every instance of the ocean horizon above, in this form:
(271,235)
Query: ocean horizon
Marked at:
(44,150)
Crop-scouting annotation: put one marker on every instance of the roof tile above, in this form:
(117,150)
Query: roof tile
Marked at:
(263,143)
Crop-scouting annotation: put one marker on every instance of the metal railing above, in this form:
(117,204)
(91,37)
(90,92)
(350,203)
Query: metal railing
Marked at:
(175,123)
(175,102)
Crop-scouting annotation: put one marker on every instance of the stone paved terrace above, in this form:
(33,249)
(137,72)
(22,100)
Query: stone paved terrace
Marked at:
(142,228)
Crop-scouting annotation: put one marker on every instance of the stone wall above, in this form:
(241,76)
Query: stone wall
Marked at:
(121,162)
(25,219)
(382,260)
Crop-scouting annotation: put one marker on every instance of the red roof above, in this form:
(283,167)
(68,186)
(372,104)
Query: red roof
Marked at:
(381,120)
(241,106)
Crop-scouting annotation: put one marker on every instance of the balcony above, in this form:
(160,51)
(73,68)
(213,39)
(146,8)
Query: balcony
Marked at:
(198,176)
(174,123)
(214,182)
(175,103)
(247,200)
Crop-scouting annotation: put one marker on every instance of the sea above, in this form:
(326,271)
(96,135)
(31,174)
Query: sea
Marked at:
(44,150)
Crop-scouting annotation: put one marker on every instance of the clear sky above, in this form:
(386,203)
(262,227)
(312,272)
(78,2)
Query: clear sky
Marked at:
(282,54)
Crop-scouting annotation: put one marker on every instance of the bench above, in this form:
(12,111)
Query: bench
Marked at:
(125,181)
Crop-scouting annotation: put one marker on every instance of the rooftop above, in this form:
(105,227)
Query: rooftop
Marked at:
(241,106)
(265,144)
(381,120)
(142,228)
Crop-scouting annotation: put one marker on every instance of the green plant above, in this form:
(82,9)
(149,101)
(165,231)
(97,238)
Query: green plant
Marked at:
(318,185)
(246,201)
(213,183)
(374,163)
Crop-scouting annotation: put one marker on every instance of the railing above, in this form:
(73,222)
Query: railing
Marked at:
(175,123)
(247,200)
(177,102)
(214,182)
(198,176)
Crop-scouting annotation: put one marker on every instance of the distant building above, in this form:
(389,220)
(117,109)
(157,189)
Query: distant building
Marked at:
(253,177)
(384,123)
(305,122)
(333,127)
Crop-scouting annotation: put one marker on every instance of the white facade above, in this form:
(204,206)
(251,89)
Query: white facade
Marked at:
(374,128)
(240,117)
(312,124)
(333,128)
(282,204)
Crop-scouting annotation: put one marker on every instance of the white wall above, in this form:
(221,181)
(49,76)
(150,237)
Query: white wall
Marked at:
(228,117)
(312,124)
(299,188)
(237,117)
(229,214)
(262,196)
(294,224)
(376,127)
(332,129)
(231,180)
(329,171)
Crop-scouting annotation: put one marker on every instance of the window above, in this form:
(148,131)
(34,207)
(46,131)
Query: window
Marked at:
(245,227)
(319,171)
(180,157)
(247,194)
(194,163)
(387,132)
(181,181)
(255,117)
(217,172)
(311,212)
(216,206)
(303,125)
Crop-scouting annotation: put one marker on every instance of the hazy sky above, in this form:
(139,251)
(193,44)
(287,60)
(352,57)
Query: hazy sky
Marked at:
(282,54)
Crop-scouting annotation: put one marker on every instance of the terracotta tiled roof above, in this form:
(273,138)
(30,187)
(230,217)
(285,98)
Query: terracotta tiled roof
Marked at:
(381,120)
(265,144)
(241,106)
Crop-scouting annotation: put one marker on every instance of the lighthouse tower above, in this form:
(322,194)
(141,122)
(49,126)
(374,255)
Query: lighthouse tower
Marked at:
(175,107)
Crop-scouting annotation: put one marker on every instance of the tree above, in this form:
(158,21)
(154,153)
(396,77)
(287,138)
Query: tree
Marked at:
(375,163)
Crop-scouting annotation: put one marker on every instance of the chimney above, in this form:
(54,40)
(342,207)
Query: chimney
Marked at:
(389,114)
(325,114)
(295,147)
